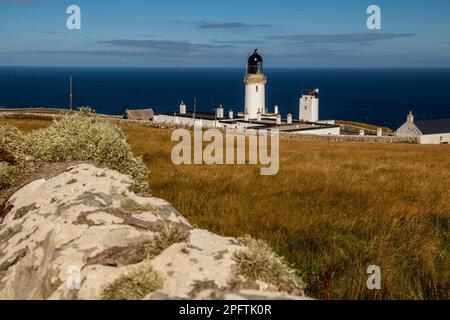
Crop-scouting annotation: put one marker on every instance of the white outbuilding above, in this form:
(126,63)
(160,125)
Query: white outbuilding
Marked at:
(426,131)
(309,106)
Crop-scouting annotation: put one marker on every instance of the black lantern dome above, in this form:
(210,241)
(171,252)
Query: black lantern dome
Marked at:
(255,63)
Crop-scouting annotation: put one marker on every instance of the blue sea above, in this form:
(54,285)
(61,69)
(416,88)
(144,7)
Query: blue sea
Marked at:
(378,96)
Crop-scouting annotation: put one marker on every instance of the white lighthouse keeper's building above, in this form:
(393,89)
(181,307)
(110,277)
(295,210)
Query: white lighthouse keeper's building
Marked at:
(255,87)
(427,131)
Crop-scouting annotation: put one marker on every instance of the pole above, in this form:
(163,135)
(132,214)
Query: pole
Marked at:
(71,99)
(195,107)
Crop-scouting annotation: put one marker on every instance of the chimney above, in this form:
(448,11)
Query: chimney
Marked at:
(278,117)
(182,107)
(379,132)
(411,117)
(289,118)
(258,116)
(275,109)
(219,112)
(246,117)
(230,114)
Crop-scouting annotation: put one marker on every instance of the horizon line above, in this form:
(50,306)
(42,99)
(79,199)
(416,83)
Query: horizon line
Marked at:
(207,67)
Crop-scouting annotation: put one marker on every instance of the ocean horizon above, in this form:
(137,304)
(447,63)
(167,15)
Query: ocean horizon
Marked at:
(381,96)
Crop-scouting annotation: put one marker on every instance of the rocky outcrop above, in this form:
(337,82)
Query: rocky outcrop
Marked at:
(82,234)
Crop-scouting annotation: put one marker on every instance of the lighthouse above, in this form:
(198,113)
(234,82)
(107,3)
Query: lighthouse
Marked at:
(255,83)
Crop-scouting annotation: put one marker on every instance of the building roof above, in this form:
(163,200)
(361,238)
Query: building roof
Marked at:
(255,63)
(198,115)
(296,126)
(255,58)
(143,114)
(433,126)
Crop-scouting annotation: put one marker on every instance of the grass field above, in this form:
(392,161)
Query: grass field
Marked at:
(364,125)
(333,209)
(25,125)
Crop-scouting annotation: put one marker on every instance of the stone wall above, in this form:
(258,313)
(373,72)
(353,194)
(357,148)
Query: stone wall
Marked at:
(80,233)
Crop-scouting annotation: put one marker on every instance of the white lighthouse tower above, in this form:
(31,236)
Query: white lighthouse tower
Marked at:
(255,87)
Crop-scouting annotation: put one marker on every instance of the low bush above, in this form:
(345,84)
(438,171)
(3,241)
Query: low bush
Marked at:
(169,235)
(133,285)
(73,137)
(259,262)
(132,206)
(11,144)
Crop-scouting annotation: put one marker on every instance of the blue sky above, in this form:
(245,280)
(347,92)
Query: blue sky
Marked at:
(210,33)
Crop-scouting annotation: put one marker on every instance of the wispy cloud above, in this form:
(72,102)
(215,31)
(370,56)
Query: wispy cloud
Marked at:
(320,53)
(97,52)
(341,38)
(237,42)
(139,53)
(230,25)
(163,45)
(206,25)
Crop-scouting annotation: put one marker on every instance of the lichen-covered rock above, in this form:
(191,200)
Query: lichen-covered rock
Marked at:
(83,234)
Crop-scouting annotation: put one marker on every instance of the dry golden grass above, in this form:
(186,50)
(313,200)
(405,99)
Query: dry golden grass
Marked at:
(19,111)
(364,125)
(333,210)
(25,125)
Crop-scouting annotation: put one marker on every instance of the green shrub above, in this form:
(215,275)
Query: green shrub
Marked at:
(12,151)
(132,206)
(86,111)
(259,262)
(77,137)
(133,286)
(12,147)
(13,174)
(169,235)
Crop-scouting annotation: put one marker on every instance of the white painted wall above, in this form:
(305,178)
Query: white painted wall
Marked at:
(255,98)
(169,119)
(318,132)
(322,132)
(435,138)
(327,121)
(309,108)
(408,129)
(184,121)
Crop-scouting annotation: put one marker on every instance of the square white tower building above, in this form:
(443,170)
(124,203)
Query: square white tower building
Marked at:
(309,107)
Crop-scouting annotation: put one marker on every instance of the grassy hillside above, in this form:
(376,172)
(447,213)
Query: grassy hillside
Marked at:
(333,210)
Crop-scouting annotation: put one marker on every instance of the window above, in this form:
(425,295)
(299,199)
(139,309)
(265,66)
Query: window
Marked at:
(257,88)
